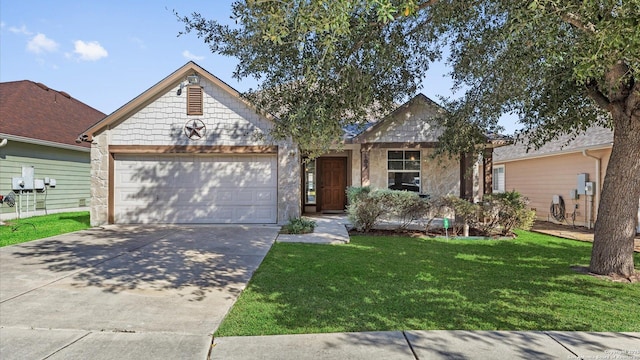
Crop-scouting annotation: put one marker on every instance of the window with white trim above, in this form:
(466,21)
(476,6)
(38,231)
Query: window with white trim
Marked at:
(498,179)
(403,168)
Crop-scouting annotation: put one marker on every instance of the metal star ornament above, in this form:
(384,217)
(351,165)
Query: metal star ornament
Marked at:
(195,129)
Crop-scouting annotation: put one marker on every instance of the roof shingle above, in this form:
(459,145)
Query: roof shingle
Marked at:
(595,136)
(33,110)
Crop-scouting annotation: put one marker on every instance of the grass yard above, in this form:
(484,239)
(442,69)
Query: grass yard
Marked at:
(38,227)
(400,283)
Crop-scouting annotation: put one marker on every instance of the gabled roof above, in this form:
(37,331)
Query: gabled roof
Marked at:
(32,111)
(419,98)
(595,137)
(154,92)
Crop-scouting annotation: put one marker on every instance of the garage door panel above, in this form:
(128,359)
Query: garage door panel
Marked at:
(194,215)
(195,189)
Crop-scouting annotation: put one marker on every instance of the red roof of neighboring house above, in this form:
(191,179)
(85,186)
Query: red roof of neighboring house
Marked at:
(33,110)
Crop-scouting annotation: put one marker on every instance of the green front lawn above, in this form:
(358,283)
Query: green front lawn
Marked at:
(399,283)
(38,227)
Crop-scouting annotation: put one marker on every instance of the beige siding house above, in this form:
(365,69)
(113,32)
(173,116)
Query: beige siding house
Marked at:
(554,176)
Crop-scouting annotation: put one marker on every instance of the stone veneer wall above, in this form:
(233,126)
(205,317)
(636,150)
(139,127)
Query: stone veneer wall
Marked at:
(229,121)
(99,180)
(439,177)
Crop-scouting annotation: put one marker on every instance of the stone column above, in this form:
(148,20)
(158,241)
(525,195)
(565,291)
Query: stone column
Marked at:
(364,165)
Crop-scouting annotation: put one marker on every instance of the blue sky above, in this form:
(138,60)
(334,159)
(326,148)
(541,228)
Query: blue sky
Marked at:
(106,53)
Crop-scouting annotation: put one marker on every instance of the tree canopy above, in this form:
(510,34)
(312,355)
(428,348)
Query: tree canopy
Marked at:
(560,66)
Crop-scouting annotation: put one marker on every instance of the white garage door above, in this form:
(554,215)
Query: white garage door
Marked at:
(183,189)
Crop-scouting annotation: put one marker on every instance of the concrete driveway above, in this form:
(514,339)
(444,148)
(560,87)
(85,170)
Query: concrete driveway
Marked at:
(125,292)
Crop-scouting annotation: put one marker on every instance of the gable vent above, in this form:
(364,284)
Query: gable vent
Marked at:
(194,100)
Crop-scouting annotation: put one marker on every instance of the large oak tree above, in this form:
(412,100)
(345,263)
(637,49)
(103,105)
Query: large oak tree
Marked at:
(560,66)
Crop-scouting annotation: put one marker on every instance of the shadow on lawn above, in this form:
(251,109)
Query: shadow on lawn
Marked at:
(198,260)
(387,283)
(82,218)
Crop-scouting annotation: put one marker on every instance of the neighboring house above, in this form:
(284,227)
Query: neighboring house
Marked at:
(191,150)
(37,142)
(555,176)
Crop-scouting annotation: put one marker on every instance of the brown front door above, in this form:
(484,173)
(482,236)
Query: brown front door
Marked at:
(333,183)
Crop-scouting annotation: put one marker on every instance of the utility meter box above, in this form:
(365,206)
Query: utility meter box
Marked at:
(582,181)
(17,184)
(38,184)
(589,188)
(573,194)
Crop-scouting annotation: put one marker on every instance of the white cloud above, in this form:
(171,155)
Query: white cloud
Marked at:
(21,30)
(189,56)
(41,43)
(89,51)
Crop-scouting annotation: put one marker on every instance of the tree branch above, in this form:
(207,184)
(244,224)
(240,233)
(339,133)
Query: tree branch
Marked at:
(576,22)
(597,96)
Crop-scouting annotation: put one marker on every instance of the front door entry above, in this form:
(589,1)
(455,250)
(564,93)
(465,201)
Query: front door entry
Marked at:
(333,183)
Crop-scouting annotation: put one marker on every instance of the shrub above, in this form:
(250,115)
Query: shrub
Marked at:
(465,211)
(365,207)
(512,211)
(497,214)
(404,206)
(357,193)
(299,226)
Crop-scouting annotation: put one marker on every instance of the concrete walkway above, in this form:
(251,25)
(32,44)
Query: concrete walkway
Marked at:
(125,292)
(330,229)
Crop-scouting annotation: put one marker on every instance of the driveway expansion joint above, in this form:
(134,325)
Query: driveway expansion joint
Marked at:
(404,334)
(67,345)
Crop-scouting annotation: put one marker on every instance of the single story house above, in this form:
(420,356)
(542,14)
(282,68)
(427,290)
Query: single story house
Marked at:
(42,168)
(562,179)
(191,149)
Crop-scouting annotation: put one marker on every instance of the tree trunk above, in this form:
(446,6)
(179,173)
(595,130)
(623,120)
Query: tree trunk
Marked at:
(615,227)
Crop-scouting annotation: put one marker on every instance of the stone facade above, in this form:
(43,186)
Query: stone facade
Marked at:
(438,177)
(410,127)
(99,180)
(229,121)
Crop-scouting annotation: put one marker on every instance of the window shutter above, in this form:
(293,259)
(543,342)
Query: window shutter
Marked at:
(194,100)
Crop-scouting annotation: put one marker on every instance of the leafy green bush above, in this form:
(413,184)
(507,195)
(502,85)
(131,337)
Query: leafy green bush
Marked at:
(465,211)
(357,193)
(497,214)
(365,207)
(299,226)
(512,211)
(403,206)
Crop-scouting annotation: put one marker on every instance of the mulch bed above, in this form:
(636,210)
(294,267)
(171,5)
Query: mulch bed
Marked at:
(418,233)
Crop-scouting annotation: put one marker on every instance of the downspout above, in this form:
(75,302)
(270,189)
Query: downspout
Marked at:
(596,204)
(3,142)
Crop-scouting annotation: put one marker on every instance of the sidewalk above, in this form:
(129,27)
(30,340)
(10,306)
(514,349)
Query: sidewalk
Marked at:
(330,229)
(438,344)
